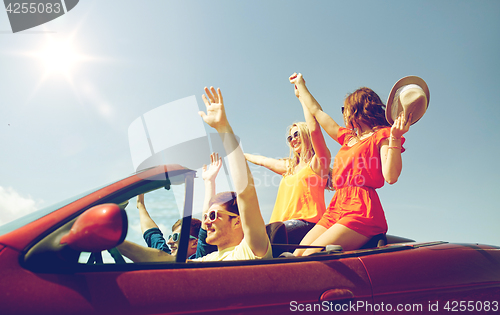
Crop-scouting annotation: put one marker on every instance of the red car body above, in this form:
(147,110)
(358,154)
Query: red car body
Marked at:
(41,275)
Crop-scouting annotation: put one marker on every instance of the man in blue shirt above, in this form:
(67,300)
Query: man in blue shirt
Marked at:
(154,237)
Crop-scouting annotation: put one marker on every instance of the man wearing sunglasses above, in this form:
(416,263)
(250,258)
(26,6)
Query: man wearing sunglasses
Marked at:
(154,237)
(173,240)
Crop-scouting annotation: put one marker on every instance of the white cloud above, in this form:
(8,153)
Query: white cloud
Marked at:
(13,205)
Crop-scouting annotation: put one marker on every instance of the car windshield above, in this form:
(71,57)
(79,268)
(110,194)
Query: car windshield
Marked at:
(164,208)
(17,223)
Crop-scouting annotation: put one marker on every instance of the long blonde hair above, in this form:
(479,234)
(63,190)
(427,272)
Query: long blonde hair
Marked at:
(307,147)
(307,151)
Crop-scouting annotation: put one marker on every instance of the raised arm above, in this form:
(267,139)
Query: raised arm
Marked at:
(254,229)
(390,150)
(138,253)
(209,175)
(331,127)
(320,163)
(275,165)
(144,217)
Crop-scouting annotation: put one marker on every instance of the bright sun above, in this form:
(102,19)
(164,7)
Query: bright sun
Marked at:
(59,57)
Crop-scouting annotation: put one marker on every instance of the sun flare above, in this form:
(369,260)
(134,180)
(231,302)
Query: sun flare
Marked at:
(59,57)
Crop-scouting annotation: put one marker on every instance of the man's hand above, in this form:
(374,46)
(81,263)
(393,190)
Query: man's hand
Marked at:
(210,172)
(216,114)
(140,201)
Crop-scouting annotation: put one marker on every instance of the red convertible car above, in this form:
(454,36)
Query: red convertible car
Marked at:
(63,260)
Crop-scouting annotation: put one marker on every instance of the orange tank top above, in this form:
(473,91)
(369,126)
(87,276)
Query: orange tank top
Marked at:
(300,196)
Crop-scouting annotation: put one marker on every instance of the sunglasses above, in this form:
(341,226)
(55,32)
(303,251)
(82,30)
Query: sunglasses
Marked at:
(296,134)
(175,237)
(213,214)
(342,110)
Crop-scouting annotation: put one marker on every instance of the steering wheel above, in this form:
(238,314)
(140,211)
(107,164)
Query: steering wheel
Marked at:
(96,257)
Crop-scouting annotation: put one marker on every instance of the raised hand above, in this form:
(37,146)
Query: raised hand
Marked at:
(140,201)
(297,80)
(216,114)
(400,126)
(144,217)
(210,172)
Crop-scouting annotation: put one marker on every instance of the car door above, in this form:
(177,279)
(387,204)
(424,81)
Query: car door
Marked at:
(435,277)
(279,285)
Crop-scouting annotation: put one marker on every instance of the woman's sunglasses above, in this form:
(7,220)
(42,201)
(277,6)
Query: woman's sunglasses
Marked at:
(175,237)
(213,214)
(296,134)
(342,110)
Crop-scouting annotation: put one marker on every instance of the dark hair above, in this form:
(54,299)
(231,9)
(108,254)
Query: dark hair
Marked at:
(226,200)
(364,105)
(195,226)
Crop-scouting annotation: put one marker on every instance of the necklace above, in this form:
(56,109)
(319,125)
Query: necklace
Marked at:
(365,134)
(356,138)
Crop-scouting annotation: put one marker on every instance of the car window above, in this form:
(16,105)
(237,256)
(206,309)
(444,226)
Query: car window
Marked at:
(165,207)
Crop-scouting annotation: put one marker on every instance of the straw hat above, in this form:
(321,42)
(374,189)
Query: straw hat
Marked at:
(409,95)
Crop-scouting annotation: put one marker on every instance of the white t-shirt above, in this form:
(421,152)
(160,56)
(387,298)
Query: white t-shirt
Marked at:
(240,252)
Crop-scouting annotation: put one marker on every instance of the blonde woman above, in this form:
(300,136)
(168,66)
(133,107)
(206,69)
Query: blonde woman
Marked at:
(300,202)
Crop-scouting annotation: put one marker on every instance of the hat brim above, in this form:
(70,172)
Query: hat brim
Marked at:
(402,82)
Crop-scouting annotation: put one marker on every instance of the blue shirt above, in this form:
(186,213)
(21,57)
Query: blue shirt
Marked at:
(154,238)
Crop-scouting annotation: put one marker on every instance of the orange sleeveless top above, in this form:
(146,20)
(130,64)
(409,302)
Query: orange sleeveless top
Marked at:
(300,196)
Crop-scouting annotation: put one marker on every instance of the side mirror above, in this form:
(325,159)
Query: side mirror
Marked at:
(99,228)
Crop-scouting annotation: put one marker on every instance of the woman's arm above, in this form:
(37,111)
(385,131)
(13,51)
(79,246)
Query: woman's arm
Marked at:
(390,150)
(320,163)
(277,166)
(331,127)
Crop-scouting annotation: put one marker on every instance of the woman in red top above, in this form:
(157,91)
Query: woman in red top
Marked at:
(370,154)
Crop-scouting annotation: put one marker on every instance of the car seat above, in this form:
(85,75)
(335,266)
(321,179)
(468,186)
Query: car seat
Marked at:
(277,234)
(376,241)
(383,239)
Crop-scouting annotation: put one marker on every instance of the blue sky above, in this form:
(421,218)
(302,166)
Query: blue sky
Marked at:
(62,134)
